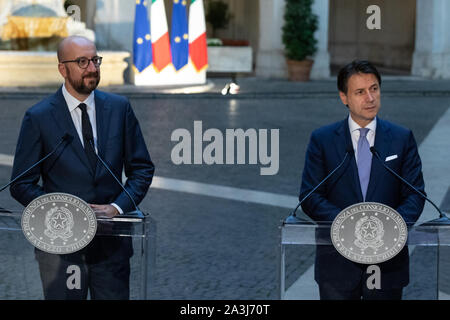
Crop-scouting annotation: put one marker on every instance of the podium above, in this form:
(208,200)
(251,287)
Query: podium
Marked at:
(19,271)
(429,251)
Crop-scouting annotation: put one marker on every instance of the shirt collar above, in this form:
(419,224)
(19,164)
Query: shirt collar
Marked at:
(372,126)
(73,103)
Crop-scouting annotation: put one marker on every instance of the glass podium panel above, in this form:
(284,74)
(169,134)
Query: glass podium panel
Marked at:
(19,270)
(429,261)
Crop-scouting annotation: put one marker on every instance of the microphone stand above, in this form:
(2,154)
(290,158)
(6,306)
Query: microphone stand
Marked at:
(443,218)
(292,218)
(137,212)
(3,210)
(64,138)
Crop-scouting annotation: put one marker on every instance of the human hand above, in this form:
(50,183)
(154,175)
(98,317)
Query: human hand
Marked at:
(104,210)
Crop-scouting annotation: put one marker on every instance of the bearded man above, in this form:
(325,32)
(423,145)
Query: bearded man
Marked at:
(97,123)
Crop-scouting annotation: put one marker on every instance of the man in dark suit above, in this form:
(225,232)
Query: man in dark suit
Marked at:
(361,178)
(86,115)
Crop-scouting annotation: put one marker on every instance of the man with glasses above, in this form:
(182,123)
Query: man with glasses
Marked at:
(97,123)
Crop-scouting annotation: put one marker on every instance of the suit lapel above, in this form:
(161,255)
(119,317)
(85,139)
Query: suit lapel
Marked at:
(382,145)
(65,123)
(342,141)
(102,111)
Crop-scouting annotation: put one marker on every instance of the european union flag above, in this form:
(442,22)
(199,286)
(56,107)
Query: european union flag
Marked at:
(180,37)
(142,46)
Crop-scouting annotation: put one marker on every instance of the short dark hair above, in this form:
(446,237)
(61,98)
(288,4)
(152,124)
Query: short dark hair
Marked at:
(356,66)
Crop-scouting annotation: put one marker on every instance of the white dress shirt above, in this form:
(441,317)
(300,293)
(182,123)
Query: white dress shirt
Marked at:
(354,133)
(75,113)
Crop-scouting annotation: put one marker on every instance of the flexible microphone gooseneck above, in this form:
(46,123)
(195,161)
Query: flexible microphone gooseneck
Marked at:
(442,217)
(292,218)
(137,210)
(65,138)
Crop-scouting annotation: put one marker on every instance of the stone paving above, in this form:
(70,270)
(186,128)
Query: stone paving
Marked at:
(214,248)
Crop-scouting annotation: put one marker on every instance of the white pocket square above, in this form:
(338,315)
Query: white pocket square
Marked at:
(391,158)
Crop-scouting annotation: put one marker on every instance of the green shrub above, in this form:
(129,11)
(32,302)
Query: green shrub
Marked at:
(299,27)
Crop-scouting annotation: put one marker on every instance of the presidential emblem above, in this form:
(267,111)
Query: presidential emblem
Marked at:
(59,223)
(369,233)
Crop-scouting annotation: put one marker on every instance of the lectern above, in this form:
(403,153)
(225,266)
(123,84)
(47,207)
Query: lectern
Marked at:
(429,250)
(19,271)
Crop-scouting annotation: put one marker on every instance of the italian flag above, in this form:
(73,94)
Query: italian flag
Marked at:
(160,36)
(197,35)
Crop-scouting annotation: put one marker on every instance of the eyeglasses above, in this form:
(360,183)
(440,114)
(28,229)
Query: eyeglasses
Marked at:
(83,62)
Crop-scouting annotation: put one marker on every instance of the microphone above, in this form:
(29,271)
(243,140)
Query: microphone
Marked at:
(443,219)
(292,218)
(65,138)
(137,211)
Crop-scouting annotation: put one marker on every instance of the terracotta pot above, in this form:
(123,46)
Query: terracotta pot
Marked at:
(299,70)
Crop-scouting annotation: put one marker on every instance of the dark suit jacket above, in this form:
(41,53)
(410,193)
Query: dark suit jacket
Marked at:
(325,151)
(120,143)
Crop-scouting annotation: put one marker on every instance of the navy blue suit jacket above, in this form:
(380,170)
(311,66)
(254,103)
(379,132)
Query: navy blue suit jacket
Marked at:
(325,151)
(119,141)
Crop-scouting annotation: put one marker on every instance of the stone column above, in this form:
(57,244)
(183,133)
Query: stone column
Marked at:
(270,60)
(114,22)
(91,7)
(321,66)
(431,57)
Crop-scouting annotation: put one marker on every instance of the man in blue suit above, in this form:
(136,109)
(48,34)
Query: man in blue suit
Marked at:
(86,115)
(361,178)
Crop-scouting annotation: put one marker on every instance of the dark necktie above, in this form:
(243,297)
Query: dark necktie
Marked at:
(88,136)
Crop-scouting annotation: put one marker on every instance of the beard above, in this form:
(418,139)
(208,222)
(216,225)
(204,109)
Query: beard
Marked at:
(80,86)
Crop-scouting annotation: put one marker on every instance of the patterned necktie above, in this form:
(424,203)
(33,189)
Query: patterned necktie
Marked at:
(86,129)
(364,160)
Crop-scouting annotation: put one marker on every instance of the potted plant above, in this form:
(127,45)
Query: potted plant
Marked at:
(299,27)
